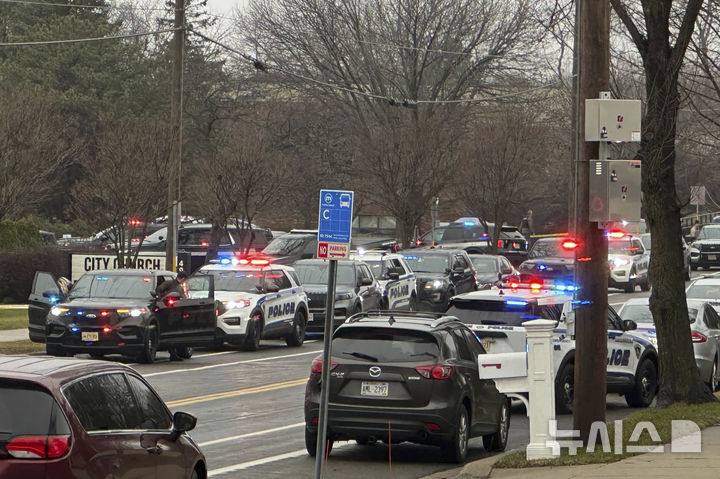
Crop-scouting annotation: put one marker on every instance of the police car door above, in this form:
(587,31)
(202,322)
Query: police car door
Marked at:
(641,257)
(369,290)
(279,305)
(198,320)
(400,285)
(45,293)
(622,356)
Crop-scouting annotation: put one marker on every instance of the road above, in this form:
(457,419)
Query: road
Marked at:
(250,415)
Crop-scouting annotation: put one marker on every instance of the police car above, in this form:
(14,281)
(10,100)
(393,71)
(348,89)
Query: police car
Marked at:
(394,276)
(496,318)
(259,300)
(628,262)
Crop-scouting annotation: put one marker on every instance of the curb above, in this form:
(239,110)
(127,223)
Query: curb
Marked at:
(478,469)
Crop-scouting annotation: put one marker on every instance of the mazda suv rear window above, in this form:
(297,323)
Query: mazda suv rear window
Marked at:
(384,345)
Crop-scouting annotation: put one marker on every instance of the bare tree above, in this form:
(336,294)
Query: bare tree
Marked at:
(661,31)
(33,149)
(127,180)
(244,176)
(370,58)
(498,161)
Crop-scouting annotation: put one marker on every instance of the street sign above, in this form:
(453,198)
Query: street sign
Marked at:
(697,195)
(335,224)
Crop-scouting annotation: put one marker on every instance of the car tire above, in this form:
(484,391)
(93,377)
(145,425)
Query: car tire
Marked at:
(645,285)
(252,335)
(455,450)
(714,382)
(195,474)
(498,441)
(693,267)
(645,388)
(54,350)
(178,353)
(297,336)
(412,305)
(687,273)
(311,443)
(150,344)
(385,304)
(565,389)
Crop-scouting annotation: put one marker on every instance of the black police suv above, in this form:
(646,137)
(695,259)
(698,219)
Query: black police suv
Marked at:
(407,376)
(551,263)
(469,234)
(441,274)
(708,244)
(116,311)
(492,269)
(292,247)
(356,290)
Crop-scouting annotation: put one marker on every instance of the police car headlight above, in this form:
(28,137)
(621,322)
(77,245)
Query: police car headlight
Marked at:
(620,262)
(124,313)
(437,284)
(342,296)
(240,303)
(58,311)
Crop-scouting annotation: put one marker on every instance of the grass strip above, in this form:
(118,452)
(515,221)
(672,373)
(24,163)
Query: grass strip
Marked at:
(21,347)
(13,319)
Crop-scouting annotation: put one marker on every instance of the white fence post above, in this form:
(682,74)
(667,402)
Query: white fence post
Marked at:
(541,386)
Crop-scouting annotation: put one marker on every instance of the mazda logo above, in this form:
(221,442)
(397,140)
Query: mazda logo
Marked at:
(375,371)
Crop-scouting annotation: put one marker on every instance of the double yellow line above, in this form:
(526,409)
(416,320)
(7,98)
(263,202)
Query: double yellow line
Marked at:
(237,392)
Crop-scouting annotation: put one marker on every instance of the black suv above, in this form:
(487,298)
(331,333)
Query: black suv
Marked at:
(404,376)
(292,247)
(441,274)
(708,244)
(469,234)
(551,263)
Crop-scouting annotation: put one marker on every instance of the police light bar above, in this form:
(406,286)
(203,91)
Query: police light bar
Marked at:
(616,234)
(570,244)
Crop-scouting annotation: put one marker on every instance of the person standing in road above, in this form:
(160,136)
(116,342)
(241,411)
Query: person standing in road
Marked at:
(695,230)
(526,225)
(168,287)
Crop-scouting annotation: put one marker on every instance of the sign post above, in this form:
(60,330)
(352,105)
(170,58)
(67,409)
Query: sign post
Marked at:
(334,232)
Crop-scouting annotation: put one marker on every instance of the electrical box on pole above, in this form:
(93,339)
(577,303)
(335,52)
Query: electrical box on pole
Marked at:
(615,193)
(612,120)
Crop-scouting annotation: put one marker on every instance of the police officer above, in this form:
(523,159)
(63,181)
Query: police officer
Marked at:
(172,286)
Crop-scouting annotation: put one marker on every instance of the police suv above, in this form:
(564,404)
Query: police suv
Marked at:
(628,262)
(496,318)
(259,300)
(395,277)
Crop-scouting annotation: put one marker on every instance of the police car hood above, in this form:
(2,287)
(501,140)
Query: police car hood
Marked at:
(567,264)
(322,288)
(106,303)
(235,295)
(490,277)
(425,277)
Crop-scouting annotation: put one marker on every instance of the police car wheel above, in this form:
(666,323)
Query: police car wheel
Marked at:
(565,389)
(150,344)
(53,350)
(252,335)
(297,336)
(630,287)
(645,285)
(178,353)
(646,382)
(412,306)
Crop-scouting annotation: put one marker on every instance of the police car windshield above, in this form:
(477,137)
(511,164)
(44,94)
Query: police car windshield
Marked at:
(112,286)
(491,312)
(550,248)
(249,281)
(625,246)
(484,264)
(429,263)
(702,291)
(640,313)
(375,267)
(317,273)
(284,246)
(709,233)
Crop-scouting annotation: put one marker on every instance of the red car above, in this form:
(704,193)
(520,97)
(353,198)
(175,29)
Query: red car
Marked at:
(75,418)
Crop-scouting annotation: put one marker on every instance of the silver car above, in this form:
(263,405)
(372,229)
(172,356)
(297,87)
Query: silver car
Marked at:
(704,330)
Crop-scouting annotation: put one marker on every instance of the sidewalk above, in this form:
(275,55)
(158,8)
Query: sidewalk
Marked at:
(13,335)
(703,465)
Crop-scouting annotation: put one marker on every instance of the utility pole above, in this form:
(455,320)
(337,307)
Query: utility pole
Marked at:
(174,180)
(593,30)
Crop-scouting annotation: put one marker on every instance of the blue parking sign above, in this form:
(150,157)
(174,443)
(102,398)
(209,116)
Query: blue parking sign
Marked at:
(335,221)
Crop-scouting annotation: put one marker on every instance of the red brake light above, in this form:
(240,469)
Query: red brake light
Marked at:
(698,337)
(500,243)
(570,244)
(317,363)
(203,244)
(441,371)
(107,329)
(38,447)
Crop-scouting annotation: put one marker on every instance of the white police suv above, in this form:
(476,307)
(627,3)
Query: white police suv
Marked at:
(496,316)
(628,262)
(395,277)
(259,300)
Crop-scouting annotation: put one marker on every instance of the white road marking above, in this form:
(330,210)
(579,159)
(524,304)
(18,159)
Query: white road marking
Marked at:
(250,434)
(613,294)
(616,304)
(212,354)
(234,363)
(265,460)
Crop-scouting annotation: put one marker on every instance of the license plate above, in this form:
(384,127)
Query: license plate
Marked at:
(374,389)
(88,336)
(486,344)
(712,257)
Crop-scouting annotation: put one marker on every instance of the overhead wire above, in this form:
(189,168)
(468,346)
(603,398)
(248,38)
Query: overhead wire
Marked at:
(85,40)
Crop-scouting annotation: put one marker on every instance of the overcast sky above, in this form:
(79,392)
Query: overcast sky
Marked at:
(224,7)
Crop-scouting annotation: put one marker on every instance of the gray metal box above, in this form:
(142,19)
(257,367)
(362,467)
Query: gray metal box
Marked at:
(615,190)
(612,120)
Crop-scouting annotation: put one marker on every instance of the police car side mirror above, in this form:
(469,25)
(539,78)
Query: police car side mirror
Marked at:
(394,276)
(366,282)
(629,324)
(458,270)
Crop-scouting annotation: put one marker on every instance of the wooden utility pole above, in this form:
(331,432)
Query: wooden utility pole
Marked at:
(174,180)
(593,30)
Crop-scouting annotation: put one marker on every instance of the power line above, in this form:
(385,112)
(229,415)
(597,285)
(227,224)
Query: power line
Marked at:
(104,7)
(259,65)
(85,40)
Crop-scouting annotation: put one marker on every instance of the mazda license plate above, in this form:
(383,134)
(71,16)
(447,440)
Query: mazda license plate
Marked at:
(90,336)
(369,388)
